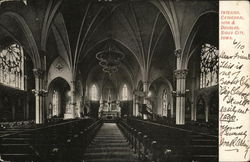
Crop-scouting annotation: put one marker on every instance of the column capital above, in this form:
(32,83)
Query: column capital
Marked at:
(181,73)
(178,52)
(38,73)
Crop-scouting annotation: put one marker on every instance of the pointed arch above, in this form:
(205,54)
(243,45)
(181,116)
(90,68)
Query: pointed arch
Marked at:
(190,39)
(48,18)
(32,46)
(93,93)
(168,11)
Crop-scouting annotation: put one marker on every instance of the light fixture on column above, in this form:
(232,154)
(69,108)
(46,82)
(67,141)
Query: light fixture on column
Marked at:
(41,92)
(180,93)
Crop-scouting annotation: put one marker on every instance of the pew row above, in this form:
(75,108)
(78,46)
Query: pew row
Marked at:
(65,141)
(156,142)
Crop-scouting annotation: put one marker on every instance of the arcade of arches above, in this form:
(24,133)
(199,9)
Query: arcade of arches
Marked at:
(49,62)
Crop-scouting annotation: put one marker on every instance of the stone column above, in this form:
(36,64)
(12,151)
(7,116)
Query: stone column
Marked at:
(145,91)
(137,103)
(43,83)
(137,113)
(39,93)
(206,112)
(180,95)
(25,82)
(101,104)
(70,111)
(193,112)
(194,87)
(134,105)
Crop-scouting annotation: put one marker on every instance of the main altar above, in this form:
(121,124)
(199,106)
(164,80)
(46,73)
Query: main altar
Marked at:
(109,109)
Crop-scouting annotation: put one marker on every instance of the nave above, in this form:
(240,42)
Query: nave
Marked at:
(123,140)
(73,69)
(109,145)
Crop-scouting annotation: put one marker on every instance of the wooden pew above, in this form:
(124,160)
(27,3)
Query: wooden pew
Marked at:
(175,143)
(45,143)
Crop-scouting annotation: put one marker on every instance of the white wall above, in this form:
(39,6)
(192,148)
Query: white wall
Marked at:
(59,68)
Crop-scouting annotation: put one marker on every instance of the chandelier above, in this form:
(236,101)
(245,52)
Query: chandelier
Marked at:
(110,58)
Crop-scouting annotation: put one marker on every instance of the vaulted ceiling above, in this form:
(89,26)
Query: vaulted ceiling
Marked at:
(138,29)
(147,32)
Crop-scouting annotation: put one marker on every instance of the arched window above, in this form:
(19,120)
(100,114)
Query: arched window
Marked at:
(94,93)
(209,66)
(124,92)
(164,103)
(12,66)
(55,105)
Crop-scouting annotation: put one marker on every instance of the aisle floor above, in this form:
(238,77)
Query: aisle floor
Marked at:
(109,145)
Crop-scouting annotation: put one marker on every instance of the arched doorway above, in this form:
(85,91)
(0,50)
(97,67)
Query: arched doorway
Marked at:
(163,99)
(58,98)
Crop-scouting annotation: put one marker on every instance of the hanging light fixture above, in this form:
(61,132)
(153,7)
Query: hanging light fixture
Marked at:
(109,58)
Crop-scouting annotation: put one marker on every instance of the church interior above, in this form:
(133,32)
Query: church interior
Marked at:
(109,80)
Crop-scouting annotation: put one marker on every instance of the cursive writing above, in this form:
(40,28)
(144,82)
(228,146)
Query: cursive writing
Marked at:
(235,93)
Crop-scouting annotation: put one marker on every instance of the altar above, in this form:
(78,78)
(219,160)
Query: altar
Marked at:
(109,110)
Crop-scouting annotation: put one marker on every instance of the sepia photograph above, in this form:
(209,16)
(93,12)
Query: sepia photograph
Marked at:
(109,81)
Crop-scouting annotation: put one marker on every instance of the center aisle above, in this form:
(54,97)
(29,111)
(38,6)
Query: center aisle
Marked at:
(109,145)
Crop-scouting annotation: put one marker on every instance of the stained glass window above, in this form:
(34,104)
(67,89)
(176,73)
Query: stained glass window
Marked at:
(12,66)
(125,92)
(55,103)
(164,103)
(209,66)
(94,93)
